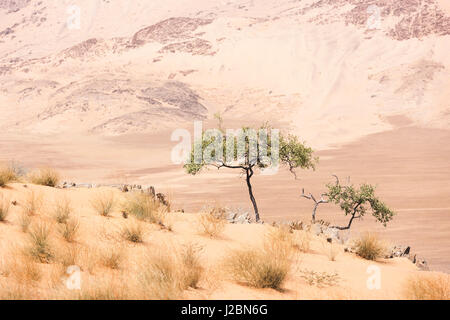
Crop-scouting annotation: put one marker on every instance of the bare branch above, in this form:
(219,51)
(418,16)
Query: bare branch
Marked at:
(337,179)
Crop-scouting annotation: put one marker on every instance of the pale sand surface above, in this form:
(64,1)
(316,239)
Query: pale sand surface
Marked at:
(99,233)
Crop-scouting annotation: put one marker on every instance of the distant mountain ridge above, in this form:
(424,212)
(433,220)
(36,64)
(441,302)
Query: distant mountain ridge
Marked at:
(143,67)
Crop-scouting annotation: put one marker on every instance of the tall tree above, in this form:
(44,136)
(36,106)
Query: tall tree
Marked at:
(247,152)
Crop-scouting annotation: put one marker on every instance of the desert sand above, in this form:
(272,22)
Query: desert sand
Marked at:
(98,234)
(100,102)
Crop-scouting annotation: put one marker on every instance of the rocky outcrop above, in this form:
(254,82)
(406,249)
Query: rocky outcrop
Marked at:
(405,251)
(410,18)
(194,47)
(13,5)
(168,30)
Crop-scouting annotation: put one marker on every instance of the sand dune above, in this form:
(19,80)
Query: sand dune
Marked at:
(96,234)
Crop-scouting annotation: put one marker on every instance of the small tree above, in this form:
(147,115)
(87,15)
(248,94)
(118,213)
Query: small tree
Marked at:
(316,203)
(354,201)
(247,153)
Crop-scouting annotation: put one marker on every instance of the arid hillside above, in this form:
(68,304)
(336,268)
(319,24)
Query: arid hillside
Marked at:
(70,244)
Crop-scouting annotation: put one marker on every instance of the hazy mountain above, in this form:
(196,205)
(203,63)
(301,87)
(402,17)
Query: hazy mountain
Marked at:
(332,70)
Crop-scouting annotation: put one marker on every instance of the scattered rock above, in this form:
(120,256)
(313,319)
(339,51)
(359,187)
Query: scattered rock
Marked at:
(162,198)
(231,217)
(317,229)
(151,191)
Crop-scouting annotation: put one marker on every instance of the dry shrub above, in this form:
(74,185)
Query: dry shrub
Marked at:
(168,273)
(213,223)
(133,232)
(112,257)
(370,247)
(429,286)
(7,175)
(103,203)
(62,210)
(143,207)
(69,230)
(45,177)
(264,267)
(33,203)
(39,247)
(4,208)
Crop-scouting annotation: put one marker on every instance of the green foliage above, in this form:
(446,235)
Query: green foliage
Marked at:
(248,149)
(295,154)
(356,201)
(245,148)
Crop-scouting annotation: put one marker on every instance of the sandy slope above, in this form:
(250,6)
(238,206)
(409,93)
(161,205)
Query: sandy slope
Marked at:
(97,233)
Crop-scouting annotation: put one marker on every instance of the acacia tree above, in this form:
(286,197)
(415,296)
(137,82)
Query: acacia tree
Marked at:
(247,152)
(355,201)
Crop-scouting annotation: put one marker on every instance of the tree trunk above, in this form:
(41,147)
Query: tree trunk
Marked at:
(314,212)
(249,172)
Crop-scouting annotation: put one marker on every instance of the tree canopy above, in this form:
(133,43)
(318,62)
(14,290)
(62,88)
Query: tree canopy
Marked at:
(356,201)
(248,149)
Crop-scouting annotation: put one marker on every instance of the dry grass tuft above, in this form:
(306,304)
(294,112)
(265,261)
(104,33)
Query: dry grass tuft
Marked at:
(62,210)
(103,203)
(69,230)
(133,232)
(143,207)
(112,257)
(428,287)
(68,255)
(213,223)
(370,247)
(191,267)
(159,279)
(39,247)
(45,177)
(7,175)
(168,273)
(265,267)
(4,208)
